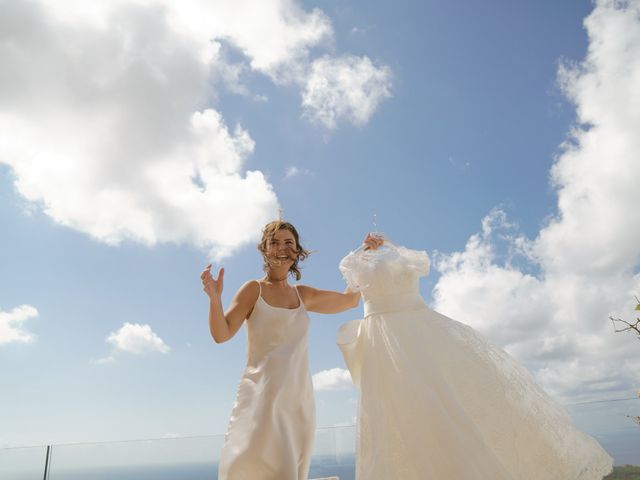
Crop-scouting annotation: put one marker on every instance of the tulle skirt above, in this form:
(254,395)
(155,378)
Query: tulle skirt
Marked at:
(438,401)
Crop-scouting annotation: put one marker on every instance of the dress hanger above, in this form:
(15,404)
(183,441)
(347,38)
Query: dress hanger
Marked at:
(377,233)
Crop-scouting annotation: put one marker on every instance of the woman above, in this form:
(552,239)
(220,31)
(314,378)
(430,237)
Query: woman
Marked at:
(272,425)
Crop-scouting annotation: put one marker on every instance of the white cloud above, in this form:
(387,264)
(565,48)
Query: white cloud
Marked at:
(105,360)
(556,324)
(345,88)
(332,379)
(294,171)
(137,339)
(105,126)
(547,300)
(459,165)
(276,35)
(597,230)
(106,113)
(11,325)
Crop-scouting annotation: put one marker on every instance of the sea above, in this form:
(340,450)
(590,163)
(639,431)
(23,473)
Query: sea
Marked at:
(321,467)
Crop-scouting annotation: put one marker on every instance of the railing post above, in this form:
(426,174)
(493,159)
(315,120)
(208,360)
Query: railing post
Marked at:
(47,462)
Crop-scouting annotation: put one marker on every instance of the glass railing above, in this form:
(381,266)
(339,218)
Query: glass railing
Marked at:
(22,463)
(613,423)
(167,458)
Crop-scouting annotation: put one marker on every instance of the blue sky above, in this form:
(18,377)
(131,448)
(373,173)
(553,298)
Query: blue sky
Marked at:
(445,120)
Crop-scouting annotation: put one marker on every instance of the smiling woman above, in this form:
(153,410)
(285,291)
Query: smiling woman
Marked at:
(272,425)
(281,244)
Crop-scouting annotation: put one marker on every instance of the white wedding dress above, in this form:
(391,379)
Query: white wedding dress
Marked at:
(437,400)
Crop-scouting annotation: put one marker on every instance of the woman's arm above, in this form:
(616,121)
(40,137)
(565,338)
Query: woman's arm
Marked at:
(224,325)
(327,301)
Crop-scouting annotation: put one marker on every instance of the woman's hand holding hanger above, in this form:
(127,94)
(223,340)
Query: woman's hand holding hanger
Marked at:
(372,241)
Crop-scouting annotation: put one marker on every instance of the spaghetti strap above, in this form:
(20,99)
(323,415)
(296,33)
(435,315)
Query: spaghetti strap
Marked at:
(299,297)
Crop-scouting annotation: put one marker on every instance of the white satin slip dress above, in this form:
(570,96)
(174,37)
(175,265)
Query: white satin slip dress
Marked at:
(272,426)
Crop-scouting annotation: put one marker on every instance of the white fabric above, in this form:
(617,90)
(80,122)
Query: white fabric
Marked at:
(272,425)
(439,401)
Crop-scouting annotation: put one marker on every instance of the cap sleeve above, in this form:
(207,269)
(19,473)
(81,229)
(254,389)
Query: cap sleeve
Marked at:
(417,260)
(349,270)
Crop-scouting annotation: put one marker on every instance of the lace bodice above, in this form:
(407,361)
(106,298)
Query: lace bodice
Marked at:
(389,270)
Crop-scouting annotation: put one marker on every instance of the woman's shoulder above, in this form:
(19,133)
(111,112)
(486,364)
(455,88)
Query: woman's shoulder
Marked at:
(304,288)
(250,290)
(305,291)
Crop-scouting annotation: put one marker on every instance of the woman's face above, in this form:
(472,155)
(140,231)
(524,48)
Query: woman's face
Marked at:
(282,248)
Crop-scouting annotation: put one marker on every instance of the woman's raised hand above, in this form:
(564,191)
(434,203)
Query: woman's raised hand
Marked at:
(212,286)
(372,241)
